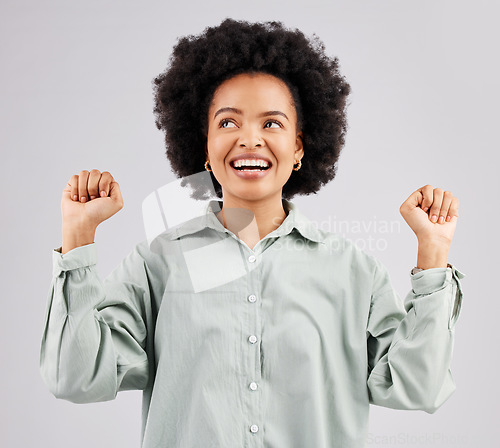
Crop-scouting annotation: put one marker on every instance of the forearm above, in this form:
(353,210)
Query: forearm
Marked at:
(77,359)
(94,338)
(76,236)
(414,371)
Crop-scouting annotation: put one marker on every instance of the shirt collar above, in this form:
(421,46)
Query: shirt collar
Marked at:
(295,219)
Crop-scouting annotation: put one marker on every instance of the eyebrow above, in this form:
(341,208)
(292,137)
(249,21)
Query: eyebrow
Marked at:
(238,111)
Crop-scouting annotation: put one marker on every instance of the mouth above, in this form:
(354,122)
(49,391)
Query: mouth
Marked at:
(250,168)
(250,172)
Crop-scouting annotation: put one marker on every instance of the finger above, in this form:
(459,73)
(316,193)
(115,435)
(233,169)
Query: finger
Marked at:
(82,186)
(74,187)
(443,213)
(453,211)
(93,184)
(436,204)
(428,197)
(105,183)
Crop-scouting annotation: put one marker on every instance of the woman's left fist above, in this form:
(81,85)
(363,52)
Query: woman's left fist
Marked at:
(432,214)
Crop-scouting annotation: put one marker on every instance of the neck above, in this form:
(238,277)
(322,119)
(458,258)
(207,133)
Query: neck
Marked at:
(252,220)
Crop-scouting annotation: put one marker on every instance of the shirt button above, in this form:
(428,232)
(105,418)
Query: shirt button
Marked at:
(252,339)
(253,386)
(252,258)
(254,428)
(252,298)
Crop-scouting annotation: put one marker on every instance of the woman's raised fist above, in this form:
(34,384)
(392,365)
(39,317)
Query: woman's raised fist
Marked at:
(90,198)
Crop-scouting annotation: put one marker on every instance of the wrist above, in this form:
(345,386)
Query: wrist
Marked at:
(440,243)
(432,255)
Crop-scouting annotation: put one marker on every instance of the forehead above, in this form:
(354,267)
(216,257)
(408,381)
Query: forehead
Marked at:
(253,87)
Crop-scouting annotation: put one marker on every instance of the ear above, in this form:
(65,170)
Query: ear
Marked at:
(299,146)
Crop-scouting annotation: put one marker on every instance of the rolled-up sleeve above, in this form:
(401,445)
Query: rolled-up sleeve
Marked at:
(94,338)
(410,344)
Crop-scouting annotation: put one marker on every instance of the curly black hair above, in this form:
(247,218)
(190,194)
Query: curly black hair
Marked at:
(199,64)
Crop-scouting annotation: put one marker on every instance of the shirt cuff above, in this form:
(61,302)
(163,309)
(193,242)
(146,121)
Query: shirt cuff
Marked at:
(78,257)
(428,281)
(415,269)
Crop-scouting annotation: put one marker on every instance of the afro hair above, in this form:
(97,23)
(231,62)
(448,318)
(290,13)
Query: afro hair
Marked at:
(200,64)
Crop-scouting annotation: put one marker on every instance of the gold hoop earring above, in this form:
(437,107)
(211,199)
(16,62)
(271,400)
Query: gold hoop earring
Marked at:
(206,167)
(299,165)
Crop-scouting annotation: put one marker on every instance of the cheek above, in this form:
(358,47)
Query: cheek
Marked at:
(284,148)
(219,146)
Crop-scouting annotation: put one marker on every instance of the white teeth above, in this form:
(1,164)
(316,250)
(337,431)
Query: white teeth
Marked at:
(251,162)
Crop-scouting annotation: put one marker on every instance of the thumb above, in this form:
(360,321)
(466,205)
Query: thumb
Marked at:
(115,192)
(66,193)
(413,201)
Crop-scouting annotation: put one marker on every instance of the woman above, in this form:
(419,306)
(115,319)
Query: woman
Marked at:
(247,326)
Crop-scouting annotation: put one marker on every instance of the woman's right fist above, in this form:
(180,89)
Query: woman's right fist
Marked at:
(90,198)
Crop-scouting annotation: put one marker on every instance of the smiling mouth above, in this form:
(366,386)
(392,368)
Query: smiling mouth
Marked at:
(251,168)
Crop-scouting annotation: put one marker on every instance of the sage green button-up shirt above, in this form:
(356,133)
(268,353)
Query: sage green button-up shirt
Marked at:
(282,346)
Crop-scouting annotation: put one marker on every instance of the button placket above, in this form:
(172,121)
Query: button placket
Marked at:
(253,338)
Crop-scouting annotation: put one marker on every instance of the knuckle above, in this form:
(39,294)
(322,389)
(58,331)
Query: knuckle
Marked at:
(84,173)
(447,193)
(95,172)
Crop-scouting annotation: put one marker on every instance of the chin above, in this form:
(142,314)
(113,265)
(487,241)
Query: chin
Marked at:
(250,194)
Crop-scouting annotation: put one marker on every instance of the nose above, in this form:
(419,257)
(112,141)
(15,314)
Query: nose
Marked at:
(250,137)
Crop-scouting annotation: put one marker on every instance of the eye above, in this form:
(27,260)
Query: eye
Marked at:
(225,121)
(276,122)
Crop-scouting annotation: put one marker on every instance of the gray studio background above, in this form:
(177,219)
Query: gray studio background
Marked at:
(76,94)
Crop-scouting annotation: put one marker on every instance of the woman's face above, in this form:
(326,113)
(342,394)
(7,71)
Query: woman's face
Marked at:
(253,115)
